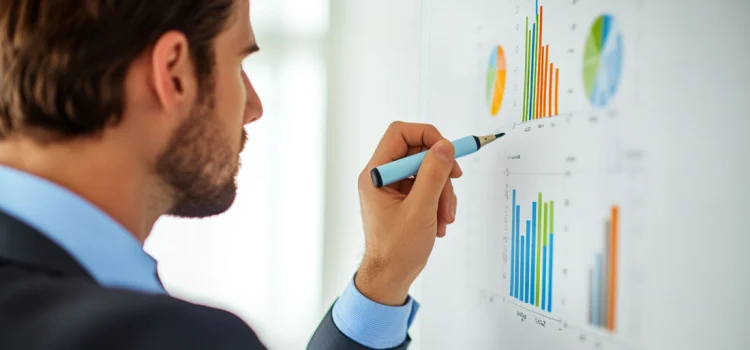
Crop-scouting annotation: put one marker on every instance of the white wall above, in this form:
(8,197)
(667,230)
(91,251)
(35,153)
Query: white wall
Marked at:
(373,79)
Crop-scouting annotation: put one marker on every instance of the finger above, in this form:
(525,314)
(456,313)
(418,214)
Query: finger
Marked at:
(399,138)
(406,185)
(446,208)
(432,176)
(442,230)
(412,151)
(456,172)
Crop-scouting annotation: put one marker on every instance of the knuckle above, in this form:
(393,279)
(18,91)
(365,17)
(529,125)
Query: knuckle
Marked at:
(396,125)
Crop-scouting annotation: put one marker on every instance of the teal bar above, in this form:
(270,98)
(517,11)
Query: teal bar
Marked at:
(526,75)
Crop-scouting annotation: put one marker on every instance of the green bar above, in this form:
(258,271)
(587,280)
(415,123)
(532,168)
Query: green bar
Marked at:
(534,81)
(539,249)
(526,75)
(545,240)
(551,214)
(552,217)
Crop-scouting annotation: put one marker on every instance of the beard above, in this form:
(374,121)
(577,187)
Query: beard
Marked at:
(200,166)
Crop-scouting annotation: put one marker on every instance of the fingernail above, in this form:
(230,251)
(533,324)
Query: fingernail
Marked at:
(444,152)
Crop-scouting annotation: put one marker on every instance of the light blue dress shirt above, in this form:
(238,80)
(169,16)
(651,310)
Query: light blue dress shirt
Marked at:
(117,260)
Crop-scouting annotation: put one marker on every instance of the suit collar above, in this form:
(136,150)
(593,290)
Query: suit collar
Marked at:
(23,245)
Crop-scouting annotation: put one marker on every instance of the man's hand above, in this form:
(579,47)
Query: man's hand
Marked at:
(402,220)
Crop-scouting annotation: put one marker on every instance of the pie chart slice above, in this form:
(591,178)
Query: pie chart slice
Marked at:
(602,61)
(495,80)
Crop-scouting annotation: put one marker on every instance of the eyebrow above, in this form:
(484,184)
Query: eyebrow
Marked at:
(252,48)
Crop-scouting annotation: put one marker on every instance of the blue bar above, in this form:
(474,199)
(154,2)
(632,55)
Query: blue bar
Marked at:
(595,289)
(544,276)
(519,247)
(533,251)
(513,247)
(528,261)
(533,68)
(523,274)
(551,250)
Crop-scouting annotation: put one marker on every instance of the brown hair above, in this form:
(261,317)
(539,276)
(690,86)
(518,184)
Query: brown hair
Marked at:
(63,62)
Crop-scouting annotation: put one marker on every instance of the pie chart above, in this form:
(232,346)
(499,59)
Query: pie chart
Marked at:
(602,61)
(495,80)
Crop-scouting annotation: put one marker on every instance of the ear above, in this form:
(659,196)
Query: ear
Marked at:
(173,74)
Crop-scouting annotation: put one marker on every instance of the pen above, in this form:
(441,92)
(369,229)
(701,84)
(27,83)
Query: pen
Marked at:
(398,170)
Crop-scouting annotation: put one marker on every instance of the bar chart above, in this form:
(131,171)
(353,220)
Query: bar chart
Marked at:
(603,277)
(541,77)
(532,254)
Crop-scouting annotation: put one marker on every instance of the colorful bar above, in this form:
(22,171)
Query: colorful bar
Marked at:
(513,247)
(557,90)
(527,282)
(540,60)
(551,216)
(613,269)
(519,247)
(544,273)
(532,79)
(604,279)
(523,272)
(545,57)
(595,291)
(534,257)
(591,296)
(539,236)
(551,261)
(551,71)
(546,108)
(526,73)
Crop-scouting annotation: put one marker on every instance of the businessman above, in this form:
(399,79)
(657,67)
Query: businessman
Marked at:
(116,112)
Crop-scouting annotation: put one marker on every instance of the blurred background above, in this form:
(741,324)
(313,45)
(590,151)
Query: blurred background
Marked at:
(330,73)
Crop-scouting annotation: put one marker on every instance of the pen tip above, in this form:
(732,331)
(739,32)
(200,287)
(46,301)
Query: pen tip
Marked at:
(500,135)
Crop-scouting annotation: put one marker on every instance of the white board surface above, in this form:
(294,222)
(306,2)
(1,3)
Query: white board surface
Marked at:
(641,144)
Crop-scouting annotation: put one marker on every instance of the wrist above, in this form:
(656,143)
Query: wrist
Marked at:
(380,285)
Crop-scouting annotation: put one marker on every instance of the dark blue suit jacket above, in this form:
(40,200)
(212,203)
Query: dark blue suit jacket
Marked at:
(48,301)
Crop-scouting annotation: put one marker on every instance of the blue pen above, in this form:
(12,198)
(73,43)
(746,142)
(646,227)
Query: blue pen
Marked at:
(398,170)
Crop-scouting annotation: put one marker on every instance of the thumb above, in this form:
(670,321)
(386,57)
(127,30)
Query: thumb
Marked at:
(432,176)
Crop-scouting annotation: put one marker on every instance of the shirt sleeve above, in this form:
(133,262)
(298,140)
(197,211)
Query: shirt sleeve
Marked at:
(372,324)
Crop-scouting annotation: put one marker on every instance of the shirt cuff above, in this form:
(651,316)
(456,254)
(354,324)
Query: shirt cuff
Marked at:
(372,324)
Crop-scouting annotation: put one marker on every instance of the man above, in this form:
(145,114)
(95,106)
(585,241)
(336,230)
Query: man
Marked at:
(114,113)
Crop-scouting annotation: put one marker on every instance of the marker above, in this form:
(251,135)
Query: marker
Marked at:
(398,170)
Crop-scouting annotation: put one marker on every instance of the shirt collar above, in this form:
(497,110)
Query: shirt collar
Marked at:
(101,245)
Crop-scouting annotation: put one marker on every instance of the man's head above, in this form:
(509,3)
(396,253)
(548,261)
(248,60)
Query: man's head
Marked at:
(162,80)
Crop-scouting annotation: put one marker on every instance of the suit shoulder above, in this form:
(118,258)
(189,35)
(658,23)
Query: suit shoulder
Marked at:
(38,312)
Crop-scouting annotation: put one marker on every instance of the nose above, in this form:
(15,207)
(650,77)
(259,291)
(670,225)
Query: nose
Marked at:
(253,106)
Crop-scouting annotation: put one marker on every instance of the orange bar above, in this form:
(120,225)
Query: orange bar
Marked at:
(545,111)
(612,271)
(549,104)
(540,49)
(538,102)
(557,89)
(541,22)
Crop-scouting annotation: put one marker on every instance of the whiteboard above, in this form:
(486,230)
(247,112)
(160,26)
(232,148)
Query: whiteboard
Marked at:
(624,164)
